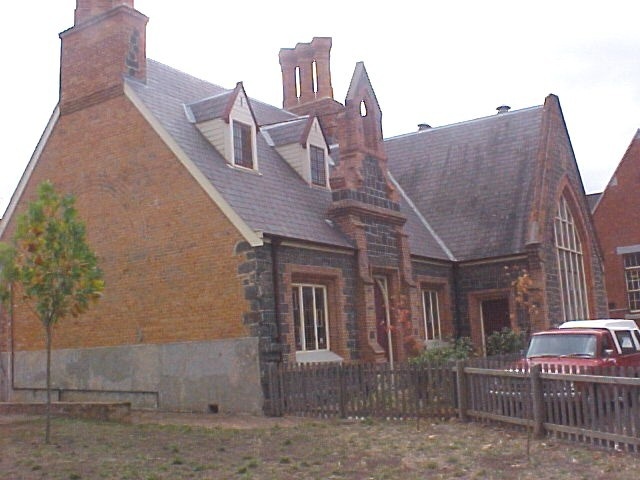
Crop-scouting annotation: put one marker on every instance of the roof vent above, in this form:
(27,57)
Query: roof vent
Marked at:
(423,126)
(503,109)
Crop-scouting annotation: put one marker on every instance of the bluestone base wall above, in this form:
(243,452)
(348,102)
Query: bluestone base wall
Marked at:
(217,376)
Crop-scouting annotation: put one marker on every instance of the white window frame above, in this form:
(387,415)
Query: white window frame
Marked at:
(431,317)
(570,260)
(632,280)
(298,288)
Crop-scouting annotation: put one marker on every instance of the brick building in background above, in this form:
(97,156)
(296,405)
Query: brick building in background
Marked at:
(616,215)
(235,234)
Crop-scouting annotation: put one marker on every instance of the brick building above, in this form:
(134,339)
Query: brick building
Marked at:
(235,234)
(617,220)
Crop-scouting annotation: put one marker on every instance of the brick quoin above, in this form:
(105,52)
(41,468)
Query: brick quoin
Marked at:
(166,249)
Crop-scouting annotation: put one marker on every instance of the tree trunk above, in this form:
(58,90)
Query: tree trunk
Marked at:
(47,435)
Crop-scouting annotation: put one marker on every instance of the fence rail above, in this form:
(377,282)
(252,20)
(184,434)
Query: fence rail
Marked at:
(596,406)
(362,390)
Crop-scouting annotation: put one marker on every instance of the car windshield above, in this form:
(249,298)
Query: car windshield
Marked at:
(559,345)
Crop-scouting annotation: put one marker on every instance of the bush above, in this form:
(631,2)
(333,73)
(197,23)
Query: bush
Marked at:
(505,341)
(458,349)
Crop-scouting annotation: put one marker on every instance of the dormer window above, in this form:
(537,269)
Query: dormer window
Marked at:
(227,121)
(318,166)
(242,145)
(302,144)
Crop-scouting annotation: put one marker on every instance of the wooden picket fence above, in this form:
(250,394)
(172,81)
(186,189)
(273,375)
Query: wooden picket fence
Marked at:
(361,390)
(600,407)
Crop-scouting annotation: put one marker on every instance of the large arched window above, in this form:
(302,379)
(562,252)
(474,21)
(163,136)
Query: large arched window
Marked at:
(570,264)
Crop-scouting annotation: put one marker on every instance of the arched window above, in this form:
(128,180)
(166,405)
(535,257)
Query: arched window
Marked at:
(570,264)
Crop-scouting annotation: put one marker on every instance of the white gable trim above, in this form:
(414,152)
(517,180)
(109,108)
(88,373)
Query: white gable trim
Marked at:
(423,220)
(250,236)
(22,184)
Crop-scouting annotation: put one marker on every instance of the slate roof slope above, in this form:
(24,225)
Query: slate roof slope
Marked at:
(275,201)
(421,241)
(472,181)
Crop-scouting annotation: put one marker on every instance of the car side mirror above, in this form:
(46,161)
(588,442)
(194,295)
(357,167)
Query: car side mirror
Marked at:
(608,352)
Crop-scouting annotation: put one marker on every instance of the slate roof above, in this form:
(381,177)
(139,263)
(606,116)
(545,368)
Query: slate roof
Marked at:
(277,200)
(465,188)
(471,181)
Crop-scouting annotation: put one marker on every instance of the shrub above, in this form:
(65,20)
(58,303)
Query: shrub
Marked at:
(458,349)
(505,341)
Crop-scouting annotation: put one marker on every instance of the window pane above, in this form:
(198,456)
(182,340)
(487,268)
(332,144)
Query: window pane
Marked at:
(309,305)
(431,315)
(309,320)
(318,171)
(632,276)
(320,318)
(242,146)
(295,302)
(571,276)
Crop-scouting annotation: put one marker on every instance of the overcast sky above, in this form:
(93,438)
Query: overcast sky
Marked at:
(430,62)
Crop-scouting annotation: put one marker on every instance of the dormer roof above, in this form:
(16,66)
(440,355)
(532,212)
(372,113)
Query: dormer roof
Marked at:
(218,106)
(292,131)
(286,133)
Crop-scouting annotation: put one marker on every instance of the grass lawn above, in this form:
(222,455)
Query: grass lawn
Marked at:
(307,450)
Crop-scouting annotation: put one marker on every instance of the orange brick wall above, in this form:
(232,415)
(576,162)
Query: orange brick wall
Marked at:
(166,250)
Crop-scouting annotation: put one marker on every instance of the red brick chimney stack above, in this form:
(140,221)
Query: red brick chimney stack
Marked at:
(107,43)
(310,64)
(87,9)
(306,83)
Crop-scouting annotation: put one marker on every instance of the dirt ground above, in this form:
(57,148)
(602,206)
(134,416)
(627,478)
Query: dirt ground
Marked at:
(242,422)
(176,446)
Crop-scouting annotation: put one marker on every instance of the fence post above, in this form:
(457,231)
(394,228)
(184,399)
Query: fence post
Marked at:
(342,394)
(461,382)
(538,401)
(274,405)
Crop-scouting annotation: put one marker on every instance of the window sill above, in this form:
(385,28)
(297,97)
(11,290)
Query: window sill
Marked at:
(317,356)
(244,169)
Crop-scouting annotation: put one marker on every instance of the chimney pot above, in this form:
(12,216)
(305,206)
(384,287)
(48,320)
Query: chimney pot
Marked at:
(503,109)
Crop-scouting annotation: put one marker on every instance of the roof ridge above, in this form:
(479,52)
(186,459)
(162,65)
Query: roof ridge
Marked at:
(291,120)
(464,122)
(212,97)
(182,72)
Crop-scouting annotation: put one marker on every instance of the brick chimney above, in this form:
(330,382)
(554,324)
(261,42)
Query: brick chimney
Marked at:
(86,10)
(306,82)
(106,43)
